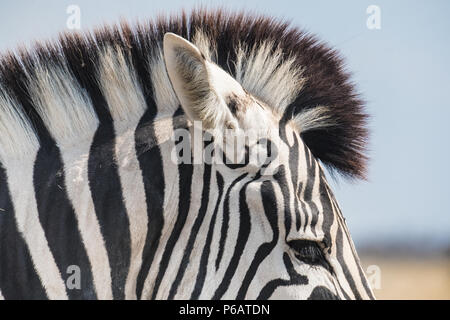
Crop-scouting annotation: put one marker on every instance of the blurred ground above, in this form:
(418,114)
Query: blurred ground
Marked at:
(408,277)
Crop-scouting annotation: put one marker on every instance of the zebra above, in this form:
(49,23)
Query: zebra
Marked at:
(88,182)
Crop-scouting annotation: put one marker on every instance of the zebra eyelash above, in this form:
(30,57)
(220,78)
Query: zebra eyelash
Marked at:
(309,252)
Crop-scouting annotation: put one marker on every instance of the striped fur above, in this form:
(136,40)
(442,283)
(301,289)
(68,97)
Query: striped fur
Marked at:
(86,176)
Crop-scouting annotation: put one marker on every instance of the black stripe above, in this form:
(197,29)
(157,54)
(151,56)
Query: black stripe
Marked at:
(150,162)
(28,284)
(328,213)
(333,203)
(243,234)
(362,276)
(271,212)
(280,177)
(185,172)
(322,293)
(194,232)
(59,222)
(303,206)
(356,258)
(201,276)
(315,215)
(294,279)
(106,190)
(150,159)
(340,258)
(354,253)
(18,278)
(225,222)
(104,182)
(293,167)
(309,186)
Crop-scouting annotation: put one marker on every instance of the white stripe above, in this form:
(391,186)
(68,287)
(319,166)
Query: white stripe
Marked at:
(20,181)
(135,203)
(179,249)
(352,263)
(76,175)
(170,197)
(351,252)
(167,103)
(302,177)
(337,267)
(260,232)
(317,201)
(127,105)
(186,287)
(231,239)
(1,296)
(308,233)
(292,234)
(275,259)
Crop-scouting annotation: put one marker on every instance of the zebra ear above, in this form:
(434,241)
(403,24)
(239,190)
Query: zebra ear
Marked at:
(201,87)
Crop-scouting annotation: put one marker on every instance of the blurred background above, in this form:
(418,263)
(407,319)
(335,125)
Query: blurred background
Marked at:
(398,53)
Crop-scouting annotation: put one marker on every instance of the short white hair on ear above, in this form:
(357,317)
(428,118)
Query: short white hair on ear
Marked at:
(201,86)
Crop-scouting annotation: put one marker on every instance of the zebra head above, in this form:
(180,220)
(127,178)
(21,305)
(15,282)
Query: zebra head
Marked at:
(272,227)
(91,177)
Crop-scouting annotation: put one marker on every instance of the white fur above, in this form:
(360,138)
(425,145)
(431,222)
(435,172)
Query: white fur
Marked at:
(62,104)
(260,72)
(120,87)
(165,97)
(206,45)
(314,118)
(17,137)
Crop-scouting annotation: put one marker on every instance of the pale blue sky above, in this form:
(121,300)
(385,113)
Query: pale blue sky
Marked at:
(402,71)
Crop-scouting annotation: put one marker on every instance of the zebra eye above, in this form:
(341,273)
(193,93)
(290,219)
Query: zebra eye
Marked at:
(309,252)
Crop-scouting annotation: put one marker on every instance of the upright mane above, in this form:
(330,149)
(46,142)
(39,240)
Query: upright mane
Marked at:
(78,75)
